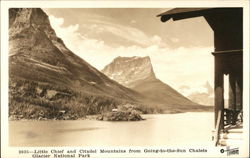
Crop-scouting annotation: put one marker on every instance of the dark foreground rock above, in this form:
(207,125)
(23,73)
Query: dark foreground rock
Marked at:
(131,115)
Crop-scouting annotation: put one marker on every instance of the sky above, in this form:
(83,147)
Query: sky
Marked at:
(180,51)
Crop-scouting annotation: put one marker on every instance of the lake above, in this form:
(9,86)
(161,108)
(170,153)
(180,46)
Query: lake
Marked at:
(192,128)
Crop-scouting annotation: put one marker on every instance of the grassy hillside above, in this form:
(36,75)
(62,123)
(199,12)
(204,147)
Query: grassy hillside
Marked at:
(166,97)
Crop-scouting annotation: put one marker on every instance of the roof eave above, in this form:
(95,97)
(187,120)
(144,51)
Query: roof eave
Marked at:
(182,13)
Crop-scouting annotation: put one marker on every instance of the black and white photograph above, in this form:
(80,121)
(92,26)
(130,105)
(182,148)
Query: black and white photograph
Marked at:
(89,81)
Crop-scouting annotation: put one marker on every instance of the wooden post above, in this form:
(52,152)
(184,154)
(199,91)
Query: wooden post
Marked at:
(232,92)
(232,96)
(219,88)
(239,93)
(237,61)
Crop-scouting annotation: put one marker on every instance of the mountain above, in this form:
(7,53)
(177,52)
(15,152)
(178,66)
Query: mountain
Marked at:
(201,94)
(137,73)
(204,98)
(129,70)
(47,79)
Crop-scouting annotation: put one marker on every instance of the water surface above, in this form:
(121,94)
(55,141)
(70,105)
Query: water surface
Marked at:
(194,128)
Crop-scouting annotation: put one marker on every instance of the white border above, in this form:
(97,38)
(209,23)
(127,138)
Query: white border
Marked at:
(212,151)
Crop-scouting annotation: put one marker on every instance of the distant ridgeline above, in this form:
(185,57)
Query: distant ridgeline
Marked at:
(48,81)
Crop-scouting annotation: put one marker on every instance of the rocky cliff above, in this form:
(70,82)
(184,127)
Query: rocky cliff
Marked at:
(129,70)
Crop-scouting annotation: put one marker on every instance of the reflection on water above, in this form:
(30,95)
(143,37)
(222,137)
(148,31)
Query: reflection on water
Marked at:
(156,130)
(29,134)
(76,129)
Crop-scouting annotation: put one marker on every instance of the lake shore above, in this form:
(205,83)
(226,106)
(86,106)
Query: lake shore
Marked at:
(87,117)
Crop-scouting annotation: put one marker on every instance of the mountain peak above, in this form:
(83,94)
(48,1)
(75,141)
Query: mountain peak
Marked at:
(30,28)
(26,20)
(28,16)
(127,70)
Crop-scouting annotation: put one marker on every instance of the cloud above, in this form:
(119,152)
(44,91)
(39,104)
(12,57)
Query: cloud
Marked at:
(197,89)
(56,21)
(175,40)
(127,33)
(202,94)
(132,21)
(176,67)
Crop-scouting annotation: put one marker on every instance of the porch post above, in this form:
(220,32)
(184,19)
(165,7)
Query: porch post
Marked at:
(232,92)
(232,95)
(218,88)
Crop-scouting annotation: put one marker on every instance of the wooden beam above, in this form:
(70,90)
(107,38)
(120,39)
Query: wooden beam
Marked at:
(239,51)
(219,88)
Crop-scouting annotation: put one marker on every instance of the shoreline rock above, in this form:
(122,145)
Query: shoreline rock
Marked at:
(130,115)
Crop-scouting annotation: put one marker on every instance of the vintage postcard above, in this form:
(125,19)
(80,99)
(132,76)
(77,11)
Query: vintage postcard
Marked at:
(124,79)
